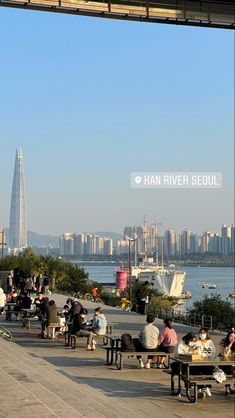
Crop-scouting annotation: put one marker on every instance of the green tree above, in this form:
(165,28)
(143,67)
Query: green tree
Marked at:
(222,311)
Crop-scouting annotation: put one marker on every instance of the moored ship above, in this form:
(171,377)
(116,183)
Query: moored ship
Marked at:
(168,282)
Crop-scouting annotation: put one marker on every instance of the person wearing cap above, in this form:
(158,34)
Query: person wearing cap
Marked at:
(149,340)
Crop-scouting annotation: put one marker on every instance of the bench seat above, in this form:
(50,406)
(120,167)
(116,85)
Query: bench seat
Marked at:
(121,355)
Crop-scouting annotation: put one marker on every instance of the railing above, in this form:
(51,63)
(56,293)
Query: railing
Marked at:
(222,323)
(198,13)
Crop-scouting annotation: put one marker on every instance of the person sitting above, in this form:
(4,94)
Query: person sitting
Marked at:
(80,329)
(23,301)
(206,349)
(227,349)
(167,341)
(38,302)
(99,322)
(186,346)
(50,316)
(2,300)
(148,339)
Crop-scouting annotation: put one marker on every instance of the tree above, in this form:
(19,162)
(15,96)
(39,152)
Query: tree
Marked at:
(222,311)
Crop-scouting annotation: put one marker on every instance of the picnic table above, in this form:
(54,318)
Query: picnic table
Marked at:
(187,375)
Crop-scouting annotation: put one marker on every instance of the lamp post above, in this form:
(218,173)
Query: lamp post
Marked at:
(129,264)
(2,243)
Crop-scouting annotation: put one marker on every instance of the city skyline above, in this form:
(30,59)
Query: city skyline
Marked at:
(86,123)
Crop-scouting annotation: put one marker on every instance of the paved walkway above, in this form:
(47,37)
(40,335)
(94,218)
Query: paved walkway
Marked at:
(43,378)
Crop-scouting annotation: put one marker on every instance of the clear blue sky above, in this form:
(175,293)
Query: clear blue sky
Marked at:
(90,100)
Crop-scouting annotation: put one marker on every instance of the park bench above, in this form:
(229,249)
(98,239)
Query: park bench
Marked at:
(50,329)
(193,382)
(71,339)
(121,355)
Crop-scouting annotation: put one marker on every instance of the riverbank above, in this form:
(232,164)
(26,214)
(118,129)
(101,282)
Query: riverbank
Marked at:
(50,380)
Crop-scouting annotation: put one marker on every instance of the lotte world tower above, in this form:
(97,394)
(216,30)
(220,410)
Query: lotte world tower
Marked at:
(18,223)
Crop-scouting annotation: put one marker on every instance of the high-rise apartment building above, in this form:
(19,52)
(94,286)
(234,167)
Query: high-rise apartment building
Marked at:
(18,219)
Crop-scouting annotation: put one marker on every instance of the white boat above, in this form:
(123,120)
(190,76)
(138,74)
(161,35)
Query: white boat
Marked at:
(209,286)
(168,282)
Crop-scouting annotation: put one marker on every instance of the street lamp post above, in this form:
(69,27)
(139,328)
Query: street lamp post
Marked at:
(129,264)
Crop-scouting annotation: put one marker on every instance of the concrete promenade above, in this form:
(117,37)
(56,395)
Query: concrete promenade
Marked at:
(43,378)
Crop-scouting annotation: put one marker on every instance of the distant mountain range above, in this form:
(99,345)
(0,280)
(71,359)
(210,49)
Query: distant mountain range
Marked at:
(38,240)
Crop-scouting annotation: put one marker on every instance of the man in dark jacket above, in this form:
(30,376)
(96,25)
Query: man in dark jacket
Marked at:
(143,297)
(79,328)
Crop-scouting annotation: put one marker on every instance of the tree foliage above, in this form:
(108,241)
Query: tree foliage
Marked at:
(62,275)
(222,311)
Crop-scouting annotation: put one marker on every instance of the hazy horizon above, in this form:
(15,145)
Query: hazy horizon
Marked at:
(90,100)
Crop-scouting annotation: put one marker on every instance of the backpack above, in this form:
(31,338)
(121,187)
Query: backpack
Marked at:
(127,343)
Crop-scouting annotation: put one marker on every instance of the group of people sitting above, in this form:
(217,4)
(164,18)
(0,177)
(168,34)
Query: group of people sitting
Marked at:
(150,339)
(82,327)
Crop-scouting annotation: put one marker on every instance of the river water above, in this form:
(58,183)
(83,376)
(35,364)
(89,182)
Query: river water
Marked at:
(222,277)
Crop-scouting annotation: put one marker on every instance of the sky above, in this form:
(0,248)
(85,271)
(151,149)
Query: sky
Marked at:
(91,100)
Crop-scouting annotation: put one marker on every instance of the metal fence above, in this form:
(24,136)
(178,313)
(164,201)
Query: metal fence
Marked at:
(193,320)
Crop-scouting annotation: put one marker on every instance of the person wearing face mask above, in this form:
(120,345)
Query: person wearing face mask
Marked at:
(79,328)
(207,349)
(186,346)
(205,346)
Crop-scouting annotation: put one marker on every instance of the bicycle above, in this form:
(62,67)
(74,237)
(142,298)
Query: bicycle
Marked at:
(125,305)
(91,298)
(5,333)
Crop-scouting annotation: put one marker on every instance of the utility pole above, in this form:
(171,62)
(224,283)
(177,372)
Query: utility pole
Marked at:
(129,266)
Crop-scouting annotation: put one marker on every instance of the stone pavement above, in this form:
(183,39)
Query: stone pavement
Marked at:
(43,378)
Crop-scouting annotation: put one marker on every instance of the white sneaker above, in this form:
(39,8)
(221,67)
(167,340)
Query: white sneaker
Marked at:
(201,394)
(147,365)
(207,392)
(93,345)
(141,365)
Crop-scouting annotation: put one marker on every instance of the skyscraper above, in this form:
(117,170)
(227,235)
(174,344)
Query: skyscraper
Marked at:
(18,223)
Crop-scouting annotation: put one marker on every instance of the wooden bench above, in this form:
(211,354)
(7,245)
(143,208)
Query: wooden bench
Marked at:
(121,355)
(191,384)
(26,322)
(51,330)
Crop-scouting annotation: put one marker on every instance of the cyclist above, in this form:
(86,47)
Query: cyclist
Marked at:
(94,292)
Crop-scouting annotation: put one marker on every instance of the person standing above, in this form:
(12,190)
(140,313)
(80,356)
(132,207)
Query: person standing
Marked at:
(142,297)
(9,282)
(29,285)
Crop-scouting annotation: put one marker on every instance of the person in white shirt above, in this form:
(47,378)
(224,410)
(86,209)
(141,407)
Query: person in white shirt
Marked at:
(149,340)
(205,346)
(206,349)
